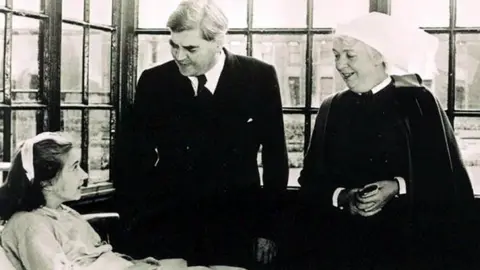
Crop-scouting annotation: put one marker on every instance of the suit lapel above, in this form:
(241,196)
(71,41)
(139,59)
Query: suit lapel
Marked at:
(229,80)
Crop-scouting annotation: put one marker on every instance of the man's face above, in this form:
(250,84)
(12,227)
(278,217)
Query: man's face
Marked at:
(357,63)
(193,54)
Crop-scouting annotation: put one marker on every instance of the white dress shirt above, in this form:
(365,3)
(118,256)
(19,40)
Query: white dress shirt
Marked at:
(401,181)
(213,75)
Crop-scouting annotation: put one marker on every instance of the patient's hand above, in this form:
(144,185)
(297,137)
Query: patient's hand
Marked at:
(150,260)
(144,264)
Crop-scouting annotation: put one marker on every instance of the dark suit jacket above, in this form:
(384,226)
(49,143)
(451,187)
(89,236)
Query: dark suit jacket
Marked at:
(247,113)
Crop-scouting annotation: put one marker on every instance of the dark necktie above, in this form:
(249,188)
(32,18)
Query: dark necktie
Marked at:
(202,92)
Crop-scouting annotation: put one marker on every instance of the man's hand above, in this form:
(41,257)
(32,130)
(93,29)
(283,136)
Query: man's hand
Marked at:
(371,203)
(265,250)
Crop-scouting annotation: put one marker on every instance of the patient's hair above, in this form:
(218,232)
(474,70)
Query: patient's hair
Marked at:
(199,14)
(20,194)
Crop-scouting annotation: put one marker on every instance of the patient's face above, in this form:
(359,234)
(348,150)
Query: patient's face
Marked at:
(67,186)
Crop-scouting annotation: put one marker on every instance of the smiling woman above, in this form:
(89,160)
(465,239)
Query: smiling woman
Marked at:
(355,61)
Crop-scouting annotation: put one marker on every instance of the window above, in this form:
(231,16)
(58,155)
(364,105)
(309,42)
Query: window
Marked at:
(154,13)
(276,50)
(21,62)
(87,108)
(467,15)
(77,95)
(294,53)
(467,131)
(294,90)
(427,13)
(467,71)
(327,14)
(279,13)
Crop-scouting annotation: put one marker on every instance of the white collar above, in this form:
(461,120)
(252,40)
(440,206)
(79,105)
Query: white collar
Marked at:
(213,75)
(379,86)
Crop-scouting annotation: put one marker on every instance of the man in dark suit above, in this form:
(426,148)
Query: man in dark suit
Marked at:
(198,124)
(383,179)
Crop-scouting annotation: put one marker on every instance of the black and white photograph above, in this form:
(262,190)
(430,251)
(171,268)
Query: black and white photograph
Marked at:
(239,134)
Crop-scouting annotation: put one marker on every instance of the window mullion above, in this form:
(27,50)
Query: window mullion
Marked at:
(309,73)
(52,68)
(85,87)
(451,62)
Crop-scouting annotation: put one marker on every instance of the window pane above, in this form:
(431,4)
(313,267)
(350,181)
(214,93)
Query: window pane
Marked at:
(287,54)
(154,49)
(467,131)
(2,39)
(295,136)
(279,13)
(467,81)
(467,13)
(99,67)
(25,77)
(99,146)
(425,13)
(24,126)
(31,5)
(326,79)
(101,12)
(153,14)
(236,44)
(327,13)
(72,63)
(438,83)
(71,123)
(2,2)
(73,9)
(313,117)
(236,12)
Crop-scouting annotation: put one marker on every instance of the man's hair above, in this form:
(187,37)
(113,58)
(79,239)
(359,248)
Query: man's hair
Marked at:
(20,194)
(199,14)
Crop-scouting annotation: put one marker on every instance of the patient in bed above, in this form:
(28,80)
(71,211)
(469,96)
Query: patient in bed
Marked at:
(42,232)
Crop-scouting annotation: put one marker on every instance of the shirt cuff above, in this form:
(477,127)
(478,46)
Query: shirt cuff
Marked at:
(336,193)
(402,185)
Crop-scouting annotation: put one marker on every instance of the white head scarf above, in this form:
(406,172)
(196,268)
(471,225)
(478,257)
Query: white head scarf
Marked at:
(27,151)
(405,47)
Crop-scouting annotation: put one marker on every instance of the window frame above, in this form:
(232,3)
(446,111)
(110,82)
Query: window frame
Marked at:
(49,93)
